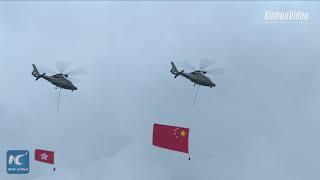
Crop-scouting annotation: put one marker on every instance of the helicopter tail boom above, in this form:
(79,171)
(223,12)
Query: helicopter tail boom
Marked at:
(179,73)
(40,76)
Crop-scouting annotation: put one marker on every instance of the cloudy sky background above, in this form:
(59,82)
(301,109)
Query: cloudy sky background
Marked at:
(259,122)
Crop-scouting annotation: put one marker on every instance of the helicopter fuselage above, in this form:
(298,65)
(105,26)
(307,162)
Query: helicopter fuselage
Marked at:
(198,78)
(60,81)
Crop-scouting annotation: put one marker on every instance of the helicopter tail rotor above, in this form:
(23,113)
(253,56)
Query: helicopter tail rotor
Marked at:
(175,71)
(36,73)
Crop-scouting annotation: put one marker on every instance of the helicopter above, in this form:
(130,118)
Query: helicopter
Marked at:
(198,76)
(59,80)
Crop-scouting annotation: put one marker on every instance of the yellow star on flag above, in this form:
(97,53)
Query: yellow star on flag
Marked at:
(183,133)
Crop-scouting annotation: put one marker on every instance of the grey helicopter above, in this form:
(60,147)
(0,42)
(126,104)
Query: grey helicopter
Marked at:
(197,76)
(60,80)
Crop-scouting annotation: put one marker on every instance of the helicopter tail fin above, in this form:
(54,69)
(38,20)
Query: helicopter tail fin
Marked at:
(36,73)
(175,71)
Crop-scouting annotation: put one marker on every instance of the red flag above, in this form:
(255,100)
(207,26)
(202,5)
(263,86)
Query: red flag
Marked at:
(44,156)
(171,137)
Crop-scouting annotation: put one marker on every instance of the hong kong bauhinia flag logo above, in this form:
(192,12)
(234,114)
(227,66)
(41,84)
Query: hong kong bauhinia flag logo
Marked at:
(44,156)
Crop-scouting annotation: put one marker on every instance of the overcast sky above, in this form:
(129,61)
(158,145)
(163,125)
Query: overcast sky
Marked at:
(261,121)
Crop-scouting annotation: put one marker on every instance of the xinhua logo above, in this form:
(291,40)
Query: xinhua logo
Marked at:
(17,162)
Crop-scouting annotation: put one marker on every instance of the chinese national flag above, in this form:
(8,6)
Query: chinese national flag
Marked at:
(171,137)
(44,156)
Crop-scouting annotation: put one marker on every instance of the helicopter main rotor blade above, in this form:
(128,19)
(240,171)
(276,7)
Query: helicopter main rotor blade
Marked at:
(62,66)
(187,65)
(47,70)
(215,71)
(205,63)
(77,71)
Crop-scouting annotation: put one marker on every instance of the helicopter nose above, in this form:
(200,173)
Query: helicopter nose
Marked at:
(75,88)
